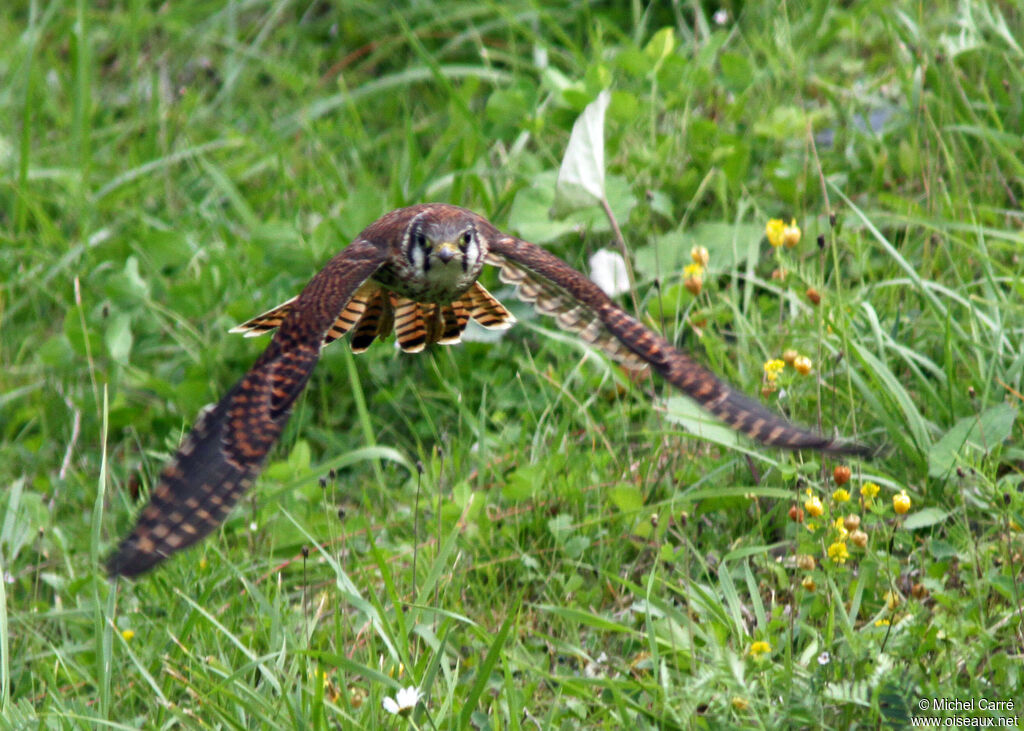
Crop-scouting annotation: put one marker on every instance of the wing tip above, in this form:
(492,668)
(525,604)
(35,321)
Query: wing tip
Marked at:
(850,449)
(128,562)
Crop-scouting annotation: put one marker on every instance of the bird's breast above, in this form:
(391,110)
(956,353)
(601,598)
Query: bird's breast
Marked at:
(439,283)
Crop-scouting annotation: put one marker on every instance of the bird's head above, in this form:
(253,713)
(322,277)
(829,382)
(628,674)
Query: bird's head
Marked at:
(443,249)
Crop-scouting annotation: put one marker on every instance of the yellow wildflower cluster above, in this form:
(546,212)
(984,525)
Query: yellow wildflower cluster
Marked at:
(813,505)
(779,233)
(759,648)
(773,368)
(845,528)
(838,552)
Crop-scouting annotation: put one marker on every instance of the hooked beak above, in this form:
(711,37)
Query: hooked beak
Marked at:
(446,251)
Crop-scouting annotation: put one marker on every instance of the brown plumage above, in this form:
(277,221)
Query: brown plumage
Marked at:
(413,271)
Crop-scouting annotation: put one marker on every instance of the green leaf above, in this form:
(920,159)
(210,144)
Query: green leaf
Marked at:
(924,518)
(737,71)
(729,245)
(627,498)
(941,550)
(531,214)
(127,288)
(576,546)
(522,482)
(981,433)
(783,123)
(660,46)
(560,526)
(667,306)
(118,337)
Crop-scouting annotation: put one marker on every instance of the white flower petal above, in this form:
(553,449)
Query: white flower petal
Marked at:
(390,705)
(408,697)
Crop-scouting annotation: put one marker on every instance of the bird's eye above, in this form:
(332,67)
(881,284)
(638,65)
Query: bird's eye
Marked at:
(420,239)
(467,239)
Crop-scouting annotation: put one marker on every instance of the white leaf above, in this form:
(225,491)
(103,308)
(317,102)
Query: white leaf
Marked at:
(608,270)
(581,177)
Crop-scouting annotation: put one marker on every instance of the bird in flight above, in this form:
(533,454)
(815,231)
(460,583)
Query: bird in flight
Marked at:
(413,271)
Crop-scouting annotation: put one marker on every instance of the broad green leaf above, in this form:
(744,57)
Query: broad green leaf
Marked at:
(127,287)
(118,336)
(924,518)
(531,212)
(627,498)
(660,46)
(728,245)
(982,433)
(561,526)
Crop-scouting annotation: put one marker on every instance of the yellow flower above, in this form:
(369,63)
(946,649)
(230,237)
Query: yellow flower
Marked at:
(791,234)
(901,502)
(868,491)
(775,231)
(892,599)
(841,495)
(773,368)
(128,634)
(740,704)
(813,506)
(838,553)
(693,270)
(700,256)
(803,365)
(759,648)
(808,583)
(840,528)
(882,623)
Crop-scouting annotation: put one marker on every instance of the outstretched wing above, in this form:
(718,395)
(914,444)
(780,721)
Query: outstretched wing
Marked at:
(226,448)
(579,305)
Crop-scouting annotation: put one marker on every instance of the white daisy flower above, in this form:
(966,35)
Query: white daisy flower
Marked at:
(403,702)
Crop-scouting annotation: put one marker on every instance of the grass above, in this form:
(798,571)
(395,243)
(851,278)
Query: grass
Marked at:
(513,526)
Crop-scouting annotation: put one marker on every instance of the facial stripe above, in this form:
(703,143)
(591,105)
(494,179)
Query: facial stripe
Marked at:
(412,239)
